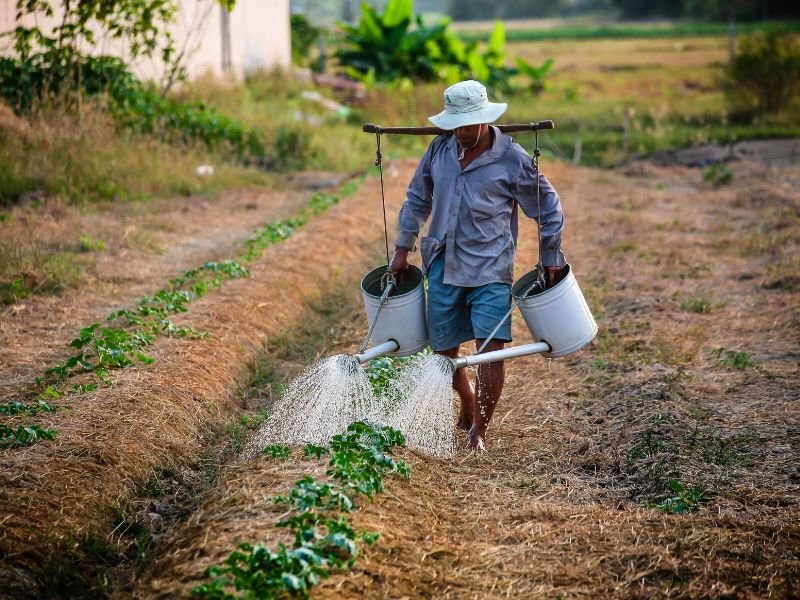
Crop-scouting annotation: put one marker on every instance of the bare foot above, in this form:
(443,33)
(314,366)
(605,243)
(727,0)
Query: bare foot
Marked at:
(475,442)
(464,422)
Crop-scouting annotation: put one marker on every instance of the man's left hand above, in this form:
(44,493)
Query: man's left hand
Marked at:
(553,275)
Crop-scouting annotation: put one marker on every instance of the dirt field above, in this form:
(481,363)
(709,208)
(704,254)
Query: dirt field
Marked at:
(690,390)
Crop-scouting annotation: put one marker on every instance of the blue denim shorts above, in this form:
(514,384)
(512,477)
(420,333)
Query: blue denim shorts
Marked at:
(459,314)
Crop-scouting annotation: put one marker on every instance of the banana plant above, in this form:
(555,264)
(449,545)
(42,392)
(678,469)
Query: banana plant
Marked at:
(397,46)
(537,75)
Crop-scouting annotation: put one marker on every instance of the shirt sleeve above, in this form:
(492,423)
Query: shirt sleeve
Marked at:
(418,204)
(551,218)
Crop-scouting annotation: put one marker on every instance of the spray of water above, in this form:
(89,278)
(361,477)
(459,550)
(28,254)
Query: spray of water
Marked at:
(334,392)
(419,402)
(320,403)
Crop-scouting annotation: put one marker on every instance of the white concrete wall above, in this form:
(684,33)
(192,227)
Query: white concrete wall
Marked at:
(259,29)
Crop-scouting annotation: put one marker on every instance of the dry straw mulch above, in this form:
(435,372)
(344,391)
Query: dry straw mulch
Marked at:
(583,448)
(61,501)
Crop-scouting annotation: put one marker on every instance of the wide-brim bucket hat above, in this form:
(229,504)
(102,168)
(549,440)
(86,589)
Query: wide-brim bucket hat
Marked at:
(466,103)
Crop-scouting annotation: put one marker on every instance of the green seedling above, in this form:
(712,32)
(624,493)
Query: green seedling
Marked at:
(312,451)
(24,435)
(276,451)
(384,369)
(309,494)
(684,499)
(324,539)
(265,573)
(211,274)
(14,407)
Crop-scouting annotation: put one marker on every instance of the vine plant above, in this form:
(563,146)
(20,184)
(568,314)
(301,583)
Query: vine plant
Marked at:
(317,513)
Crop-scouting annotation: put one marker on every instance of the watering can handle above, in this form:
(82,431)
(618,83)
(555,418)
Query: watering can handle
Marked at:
(389,287)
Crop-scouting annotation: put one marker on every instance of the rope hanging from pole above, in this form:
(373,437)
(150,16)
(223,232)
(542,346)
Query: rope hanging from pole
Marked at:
(535,161)
(379,164)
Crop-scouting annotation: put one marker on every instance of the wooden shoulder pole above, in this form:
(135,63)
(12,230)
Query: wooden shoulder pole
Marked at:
(510,128)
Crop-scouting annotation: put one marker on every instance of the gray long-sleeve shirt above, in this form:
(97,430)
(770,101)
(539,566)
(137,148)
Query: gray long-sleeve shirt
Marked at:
(473,211)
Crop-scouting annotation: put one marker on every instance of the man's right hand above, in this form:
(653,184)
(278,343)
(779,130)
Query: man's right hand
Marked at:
(399,264)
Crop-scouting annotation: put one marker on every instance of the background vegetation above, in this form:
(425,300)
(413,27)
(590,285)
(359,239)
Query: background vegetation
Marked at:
(86,129)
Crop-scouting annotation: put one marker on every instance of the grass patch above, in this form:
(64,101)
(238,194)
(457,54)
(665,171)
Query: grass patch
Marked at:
(696,304)
(31,262)
(85,158)
(661,436)
(764,243)
(630,30)
(733,359)
(718,174)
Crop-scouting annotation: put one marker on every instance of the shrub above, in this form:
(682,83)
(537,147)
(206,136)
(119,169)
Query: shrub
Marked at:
(133,104)
(765,72)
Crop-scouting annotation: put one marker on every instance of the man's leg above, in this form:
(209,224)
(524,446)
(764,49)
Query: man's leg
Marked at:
(464,390)
(491,377)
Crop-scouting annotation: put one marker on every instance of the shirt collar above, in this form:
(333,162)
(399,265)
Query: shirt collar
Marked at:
(500,145)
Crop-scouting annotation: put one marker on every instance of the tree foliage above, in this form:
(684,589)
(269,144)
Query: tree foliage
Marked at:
(707,9)
(143,26)
(304,36)
(469,10)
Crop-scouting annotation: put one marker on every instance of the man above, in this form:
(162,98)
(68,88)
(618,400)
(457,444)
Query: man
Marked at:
(469,183)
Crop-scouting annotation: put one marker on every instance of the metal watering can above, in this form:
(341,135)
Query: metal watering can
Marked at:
(558,318)
(396,314)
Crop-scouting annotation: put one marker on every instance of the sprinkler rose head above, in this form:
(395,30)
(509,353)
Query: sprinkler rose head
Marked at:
(348,364)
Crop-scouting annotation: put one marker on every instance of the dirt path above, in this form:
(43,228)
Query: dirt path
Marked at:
(692,382)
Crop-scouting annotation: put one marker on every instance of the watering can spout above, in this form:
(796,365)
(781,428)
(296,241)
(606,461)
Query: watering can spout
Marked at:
(488,357)
(376,351)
